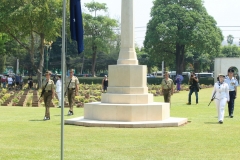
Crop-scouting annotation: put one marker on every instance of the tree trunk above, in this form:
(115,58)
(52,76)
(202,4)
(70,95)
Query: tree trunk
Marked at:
(182,59)
(149,69)
(2,63)
(180,49)
(41,62)
(94,57)
(197,66)
(31,51)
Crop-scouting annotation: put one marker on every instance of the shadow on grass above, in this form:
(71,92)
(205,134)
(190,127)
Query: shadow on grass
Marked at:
(35,120)
(64,115)
(211,122)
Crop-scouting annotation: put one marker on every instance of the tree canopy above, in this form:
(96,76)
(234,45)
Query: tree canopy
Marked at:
(30,23)
(99,33)
(180,26)
(230,39)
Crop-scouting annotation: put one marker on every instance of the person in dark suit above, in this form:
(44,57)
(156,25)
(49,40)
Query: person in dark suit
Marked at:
(104,83)
(232,83)
(193,81)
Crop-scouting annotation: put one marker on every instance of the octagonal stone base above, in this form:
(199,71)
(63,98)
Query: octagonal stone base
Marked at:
(127,103)
(170,122)
(126,112)
(99,114)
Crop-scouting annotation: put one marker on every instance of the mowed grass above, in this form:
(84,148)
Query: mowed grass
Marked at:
(24,136)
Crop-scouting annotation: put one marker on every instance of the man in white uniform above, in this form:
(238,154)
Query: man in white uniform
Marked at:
(58,90)
(10,82)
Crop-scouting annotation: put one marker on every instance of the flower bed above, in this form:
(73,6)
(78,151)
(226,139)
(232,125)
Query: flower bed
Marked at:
(87,93)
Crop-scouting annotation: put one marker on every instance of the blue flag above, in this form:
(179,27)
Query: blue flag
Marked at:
(76,23)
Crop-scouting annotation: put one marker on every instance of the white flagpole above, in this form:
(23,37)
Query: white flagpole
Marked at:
(63,77)
(163,69)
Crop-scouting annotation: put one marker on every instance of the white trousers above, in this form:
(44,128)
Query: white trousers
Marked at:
(59,98)
(220,104)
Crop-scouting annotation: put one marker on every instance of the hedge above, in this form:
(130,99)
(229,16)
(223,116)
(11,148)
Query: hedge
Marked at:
(206,81)
(158,80)
(90,80)
(86,80)
(150,81)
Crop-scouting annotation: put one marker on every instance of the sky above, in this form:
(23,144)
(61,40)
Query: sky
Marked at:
(225,12)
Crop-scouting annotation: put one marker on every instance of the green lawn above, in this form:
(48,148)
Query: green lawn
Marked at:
(24,136)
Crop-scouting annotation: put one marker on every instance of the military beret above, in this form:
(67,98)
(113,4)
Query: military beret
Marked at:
(48,72)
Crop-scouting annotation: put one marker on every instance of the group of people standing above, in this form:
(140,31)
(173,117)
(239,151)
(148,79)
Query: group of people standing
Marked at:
(49,87)
(11,81)
(225,91)
(71,90)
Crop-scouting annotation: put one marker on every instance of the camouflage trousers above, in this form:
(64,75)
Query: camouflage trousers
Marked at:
(47,97)
(167,95)
(71,98)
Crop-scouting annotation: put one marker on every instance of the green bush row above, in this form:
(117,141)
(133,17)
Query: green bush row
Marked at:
(90,80)
(150,81)
(158,80)
(86,80)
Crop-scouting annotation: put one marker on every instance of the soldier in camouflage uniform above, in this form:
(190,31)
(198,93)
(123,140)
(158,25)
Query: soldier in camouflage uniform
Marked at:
(72,90)
(167,87)
(48,86)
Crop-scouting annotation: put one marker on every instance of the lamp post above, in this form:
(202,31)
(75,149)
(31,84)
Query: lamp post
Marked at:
(47,58)
(48,45)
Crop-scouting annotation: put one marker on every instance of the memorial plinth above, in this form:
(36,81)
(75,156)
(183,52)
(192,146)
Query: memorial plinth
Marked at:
(127,102)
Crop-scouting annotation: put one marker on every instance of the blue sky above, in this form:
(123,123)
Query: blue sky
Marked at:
(225,12)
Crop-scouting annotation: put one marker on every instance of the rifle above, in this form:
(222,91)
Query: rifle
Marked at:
(67,88)
(43,91)
(213,97)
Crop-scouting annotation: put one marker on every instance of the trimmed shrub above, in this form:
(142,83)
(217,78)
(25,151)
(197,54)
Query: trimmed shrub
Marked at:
(154,81)
(90,80)
(150,81)
(206,81)
(86,101)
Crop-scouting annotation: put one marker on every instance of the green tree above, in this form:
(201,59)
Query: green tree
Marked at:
(10,51)
(230,39)
(177,26)
(230,51)
(3,40)
(146,59)
(98,31)
(72,58)
(24,20)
